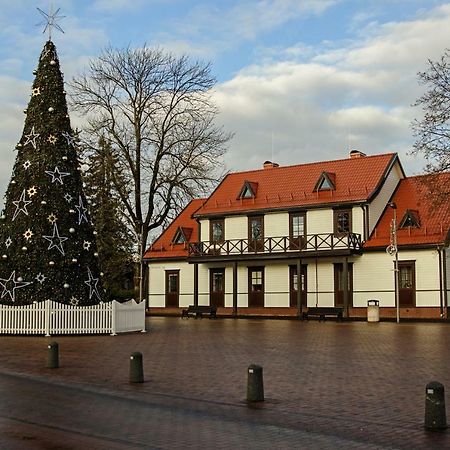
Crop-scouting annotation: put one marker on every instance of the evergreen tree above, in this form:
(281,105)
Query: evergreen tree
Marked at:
(114,241)
(47,242)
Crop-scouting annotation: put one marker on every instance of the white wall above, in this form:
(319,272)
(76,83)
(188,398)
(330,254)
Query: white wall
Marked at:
(378,204)
(373,278)
(157,282)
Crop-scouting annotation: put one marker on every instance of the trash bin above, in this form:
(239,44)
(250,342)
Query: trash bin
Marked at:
(373,311)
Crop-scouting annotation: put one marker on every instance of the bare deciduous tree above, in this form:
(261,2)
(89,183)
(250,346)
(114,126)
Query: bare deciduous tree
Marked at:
(433,130)
(155,111)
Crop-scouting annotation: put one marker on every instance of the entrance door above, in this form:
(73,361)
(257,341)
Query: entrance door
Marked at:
(217,287)
(406,283)
(172,288)
(339,284)
(255,286)
(293,285)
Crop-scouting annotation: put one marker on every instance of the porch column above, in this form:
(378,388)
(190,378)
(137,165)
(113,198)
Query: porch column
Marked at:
(235,288)
(196,284)
(299,287)
(345,285)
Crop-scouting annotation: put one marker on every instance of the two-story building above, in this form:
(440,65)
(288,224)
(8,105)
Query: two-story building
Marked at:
(278,240)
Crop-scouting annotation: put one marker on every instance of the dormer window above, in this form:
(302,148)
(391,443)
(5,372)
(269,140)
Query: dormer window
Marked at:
(182,235)
(410,219)
(248,190)
(326,182)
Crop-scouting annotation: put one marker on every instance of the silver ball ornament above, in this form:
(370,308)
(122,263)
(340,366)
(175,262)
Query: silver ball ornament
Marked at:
(43,202)
(51,109)
(71,230)
(51,263)
(66,285)
(52,62)
(74,260)
(64,158)
(5,256)
(20,279)
(24,248)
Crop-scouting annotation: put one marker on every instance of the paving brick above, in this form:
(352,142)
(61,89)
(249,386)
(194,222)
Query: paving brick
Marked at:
(327,385)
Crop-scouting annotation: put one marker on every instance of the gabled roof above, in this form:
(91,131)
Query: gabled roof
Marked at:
(419,194)
(164,247)
(356,180)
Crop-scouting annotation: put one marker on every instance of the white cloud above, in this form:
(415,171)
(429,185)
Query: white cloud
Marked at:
(356,96)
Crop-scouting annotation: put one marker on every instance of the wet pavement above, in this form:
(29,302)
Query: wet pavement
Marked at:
(349,385)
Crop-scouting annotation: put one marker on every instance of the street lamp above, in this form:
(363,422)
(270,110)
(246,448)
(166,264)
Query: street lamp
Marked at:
(392,250)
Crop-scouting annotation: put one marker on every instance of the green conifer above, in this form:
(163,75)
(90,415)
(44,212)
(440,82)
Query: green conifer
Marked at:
(47,242)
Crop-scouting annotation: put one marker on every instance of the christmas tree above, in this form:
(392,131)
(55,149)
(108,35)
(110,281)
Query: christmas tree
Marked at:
(48,249)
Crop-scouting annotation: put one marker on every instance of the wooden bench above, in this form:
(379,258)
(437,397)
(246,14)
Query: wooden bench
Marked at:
(323,312)
(199,310)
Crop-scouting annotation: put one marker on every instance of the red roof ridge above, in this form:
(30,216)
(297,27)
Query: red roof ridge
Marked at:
(316,163)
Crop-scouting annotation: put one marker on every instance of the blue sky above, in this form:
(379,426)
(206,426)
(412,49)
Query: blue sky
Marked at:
(298,81)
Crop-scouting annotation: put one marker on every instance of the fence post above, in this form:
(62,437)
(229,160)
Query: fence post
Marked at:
(47,316)
(113,317)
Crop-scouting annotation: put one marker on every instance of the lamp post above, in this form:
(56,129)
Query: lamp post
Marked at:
(392,249)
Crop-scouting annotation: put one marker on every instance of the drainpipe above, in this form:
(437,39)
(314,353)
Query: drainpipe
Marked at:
(444,274)
(317,286)
(441,287)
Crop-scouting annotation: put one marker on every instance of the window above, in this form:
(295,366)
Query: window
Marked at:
(410,219)
(217,230)
(179,237)
(248,190)
(182,235)
(297,230)
(256,233)
(173,283)
(342,221)
(326,182)
(256,282)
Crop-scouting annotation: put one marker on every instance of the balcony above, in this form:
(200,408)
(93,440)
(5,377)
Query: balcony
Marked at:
(310,245)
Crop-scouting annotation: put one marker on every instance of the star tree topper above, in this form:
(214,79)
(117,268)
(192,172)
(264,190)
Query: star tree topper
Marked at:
(50,21)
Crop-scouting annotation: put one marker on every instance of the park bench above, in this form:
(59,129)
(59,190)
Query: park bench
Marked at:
(199,311)
(323,312)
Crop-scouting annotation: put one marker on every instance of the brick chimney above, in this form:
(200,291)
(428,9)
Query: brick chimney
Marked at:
(270,165)
(357,154)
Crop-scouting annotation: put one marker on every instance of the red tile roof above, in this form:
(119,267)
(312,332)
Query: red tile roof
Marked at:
(421,194)
(356,179)
(163,246)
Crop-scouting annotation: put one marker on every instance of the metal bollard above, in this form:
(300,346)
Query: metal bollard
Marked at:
(435,417)
(136,368)
(255,385)
(53,355)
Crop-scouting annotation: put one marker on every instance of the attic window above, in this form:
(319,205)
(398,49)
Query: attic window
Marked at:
(326,182)
(410,219)
(248,190)
(182,235)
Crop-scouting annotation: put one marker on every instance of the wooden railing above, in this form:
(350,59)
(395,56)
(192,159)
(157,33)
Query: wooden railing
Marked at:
(284,244)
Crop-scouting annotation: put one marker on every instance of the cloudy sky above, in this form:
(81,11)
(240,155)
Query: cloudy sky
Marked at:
(298,80)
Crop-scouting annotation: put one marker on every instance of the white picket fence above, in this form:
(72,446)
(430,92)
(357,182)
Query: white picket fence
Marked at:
(55,318)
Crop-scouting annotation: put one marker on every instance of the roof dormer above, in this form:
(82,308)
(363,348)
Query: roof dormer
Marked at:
(326,182)
(182,235)
(410,219)
(248,190)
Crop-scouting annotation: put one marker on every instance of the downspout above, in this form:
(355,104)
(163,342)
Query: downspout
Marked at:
(441,287)
(317,286)
(444,267)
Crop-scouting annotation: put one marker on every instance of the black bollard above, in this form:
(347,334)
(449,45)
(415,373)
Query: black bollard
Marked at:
(435,418)
(53,356)
(136,369)
(255,385)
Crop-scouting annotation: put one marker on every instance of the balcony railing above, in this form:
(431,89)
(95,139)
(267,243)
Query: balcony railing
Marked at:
(284,244)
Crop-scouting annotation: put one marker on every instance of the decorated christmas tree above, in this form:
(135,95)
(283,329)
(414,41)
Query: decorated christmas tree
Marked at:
(47,241)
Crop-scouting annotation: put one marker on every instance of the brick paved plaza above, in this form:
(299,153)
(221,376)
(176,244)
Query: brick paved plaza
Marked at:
(350,385)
